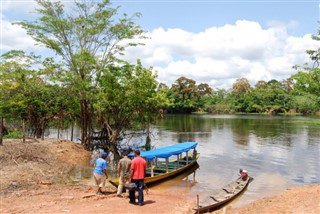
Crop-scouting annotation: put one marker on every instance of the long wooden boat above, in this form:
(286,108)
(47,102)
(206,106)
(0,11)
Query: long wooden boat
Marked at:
(161,166)
(222,196)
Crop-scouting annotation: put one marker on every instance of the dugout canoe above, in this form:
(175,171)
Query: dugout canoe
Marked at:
(222,196)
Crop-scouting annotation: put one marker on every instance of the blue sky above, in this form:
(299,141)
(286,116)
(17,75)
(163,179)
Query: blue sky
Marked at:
(196,16)
(214,42)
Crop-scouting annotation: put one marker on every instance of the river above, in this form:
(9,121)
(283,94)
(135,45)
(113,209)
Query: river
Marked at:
(279,152)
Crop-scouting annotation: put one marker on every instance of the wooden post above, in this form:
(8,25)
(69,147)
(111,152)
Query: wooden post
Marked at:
(151,166)
(187,157)
(198,204)
(177,162)
(167,163)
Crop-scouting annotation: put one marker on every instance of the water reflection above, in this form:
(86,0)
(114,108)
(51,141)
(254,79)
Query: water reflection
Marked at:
(185,180)
(279,152)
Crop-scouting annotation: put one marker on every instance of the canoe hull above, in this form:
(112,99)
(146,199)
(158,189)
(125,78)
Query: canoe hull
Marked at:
(223,196)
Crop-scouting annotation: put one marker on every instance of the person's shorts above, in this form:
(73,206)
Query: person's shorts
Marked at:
(99,179)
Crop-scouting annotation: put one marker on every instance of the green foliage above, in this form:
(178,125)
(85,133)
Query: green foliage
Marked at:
(92,85)
(88,39)
(306,104)
(15,134)
(188,97)
(128,94)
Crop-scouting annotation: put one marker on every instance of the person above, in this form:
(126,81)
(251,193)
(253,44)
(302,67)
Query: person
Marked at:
(123,172)
(194,155)
(100,172)
(243,174)
(138,171)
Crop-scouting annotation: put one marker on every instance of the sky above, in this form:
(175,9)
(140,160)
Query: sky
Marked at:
(210,41)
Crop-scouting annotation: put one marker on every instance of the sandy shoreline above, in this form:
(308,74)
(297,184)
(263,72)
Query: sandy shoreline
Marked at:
(34,179)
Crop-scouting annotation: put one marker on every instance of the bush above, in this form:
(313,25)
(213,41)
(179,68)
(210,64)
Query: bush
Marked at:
(15,134)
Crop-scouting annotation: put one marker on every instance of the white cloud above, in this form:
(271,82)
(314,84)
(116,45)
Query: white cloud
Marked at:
(220,55)
(217,56)
(14,37)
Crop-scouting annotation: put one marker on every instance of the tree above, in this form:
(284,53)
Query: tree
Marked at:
(15,75)
(25,94)
(88,40)
(306,81)
(185,92)
(203,94)
(315,54)
(261,84)
(127,94)
(241,86)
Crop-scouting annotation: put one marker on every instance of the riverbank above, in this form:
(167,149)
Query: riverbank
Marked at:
(34,178)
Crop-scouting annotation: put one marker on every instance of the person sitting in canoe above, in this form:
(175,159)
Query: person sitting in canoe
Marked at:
(243,174)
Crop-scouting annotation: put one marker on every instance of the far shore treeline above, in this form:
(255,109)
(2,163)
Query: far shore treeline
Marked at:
(87,83)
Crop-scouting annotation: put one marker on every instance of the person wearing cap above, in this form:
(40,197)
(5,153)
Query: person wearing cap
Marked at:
(100,172)
(243,174)
(123,172)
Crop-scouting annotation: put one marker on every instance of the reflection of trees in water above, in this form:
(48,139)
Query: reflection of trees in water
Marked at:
(272,130)
(191,136)
(186,123)
(240,132)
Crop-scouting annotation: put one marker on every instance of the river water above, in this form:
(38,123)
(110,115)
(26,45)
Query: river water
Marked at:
(279,152)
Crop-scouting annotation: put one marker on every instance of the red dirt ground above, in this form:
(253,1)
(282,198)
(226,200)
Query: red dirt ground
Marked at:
(34,179)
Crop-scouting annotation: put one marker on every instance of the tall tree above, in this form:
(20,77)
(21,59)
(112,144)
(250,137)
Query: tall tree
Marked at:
(203,93)
(25,94)
(241,86)
(306,81)
(15,76)
(127,95)
(87,39)
(185,92)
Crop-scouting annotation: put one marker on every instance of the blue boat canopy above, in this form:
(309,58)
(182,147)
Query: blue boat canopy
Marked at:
(167,151)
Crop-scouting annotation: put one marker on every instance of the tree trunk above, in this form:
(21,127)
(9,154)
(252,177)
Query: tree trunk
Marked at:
(72,131)
(23,132)
(148,139)
(1,130)
(113,144)
(39,130)
(85,124)
(114,150)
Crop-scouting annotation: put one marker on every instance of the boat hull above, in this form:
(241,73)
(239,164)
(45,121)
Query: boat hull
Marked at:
(223,196)
(164,176)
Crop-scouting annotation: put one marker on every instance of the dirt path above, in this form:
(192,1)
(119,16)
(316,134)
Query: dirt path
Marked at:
(34,179)
(82,199)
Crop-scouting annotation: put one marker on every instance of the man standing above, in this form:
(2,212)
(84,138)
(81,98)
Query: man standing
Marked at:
(138,170)
(100,172)
(123,172)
